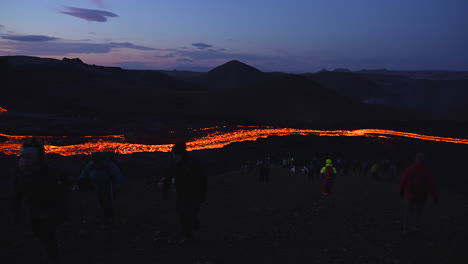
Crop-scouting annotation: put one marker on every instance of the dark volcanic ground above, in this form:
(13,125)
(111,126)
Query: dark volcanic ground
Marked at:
(285,221)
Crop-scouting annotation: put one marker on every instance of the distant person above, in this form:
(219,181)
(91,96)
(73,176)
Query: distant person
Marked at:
(293,170)
(190,187)
(43,192)
(305,170)
(375,168)
(102,175)
(327,177)
(416,184)
(264,171)
(364,168)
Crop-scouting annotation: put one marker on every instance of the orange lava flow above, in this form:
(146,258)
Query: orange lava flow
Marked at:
(3,110)
(214,140)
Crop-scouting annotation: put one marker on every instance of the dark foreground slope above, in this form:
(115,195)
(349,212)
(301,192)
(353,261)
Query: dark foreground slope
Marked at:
(285,221)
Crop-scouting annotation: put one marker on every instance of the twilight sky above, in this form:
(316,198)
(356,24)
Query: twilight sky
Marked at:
(272,35)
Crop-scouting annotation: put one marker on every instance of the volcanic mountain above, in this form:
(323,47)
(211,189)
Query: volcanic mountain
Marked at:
(231,75)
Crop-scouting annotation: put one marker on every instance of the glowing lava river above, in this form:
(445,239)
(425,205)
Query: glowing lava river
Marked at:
(213,140)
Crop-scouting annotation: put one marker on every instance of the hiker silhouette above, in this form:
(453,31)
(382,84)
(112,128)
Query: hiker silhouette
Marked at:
(43,192)
(102,175)
(190,185)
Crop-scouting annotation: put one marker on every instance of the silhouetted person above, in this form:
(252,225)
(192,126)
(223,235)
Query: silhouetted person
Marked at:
(327,177)
(264,171)
(190,184)
(102,175)
(43,192)
(416,184)
(375,168)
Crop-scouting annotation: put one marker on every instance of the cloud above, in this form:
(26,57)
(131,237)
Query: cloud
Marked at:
(129,46)
(166,56)
(184,60)
(202,45)
(29,38)
(98,3)
(88,14)
(57,48)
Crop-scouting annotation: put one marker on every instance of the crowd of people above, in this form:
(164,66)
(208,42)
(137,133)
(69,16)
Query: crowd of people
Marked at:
(43,191)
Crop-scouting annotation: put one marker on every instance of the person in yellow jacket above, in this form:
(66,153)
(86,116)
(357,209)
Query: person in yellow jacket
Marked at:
(327,177)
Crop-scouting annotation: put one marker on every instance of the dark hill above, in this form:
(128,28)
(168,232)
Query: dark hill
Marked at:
(289,98)
(346,83)
(231,75)
(233,92)
(70,86)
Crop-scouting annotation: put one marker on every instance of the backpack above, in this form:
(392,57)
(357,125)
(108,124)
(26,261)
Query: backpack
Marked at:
(86,185)
(329,172)
(417,182)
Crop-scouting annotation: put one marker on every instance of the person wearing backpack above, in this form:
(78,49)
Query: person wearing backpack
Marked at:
(43,192)
(327,177)
(416,184)
(190,187)
(102,175)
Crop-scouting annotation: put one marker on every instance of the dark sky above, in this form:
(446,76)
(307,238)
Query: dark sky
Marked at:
(273,35)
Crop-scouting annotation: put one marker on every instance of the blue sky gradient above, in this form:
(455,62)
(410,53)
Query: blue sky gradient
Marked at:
(274,35)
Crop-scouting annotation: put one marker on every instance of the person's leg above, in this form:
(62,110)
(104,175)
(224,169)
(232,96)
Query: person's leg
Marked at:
(413,214)
(186,223)
(324,187)
(195,216)
(105,202)
(418,211)
(45,231)
(330,186)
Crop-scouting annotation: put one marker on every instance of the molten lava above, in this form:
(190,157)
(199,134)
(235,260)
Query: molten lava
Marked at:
(213,140)
(3,110)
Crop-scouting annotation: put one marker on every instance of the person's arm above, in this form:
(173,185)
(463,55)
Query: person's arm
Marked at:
(322,172)
(167,184)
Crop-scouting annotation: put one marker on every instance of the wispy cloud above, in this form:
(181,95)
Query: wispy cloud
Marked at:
(129,46)
(98,3)
(184,60)
(166,56)
(88,14)
(58,48)
(29,38)
(202,45)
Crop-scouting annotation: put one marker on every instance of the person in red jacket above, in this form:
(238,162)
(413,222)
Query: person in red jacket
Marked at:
(416,184)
